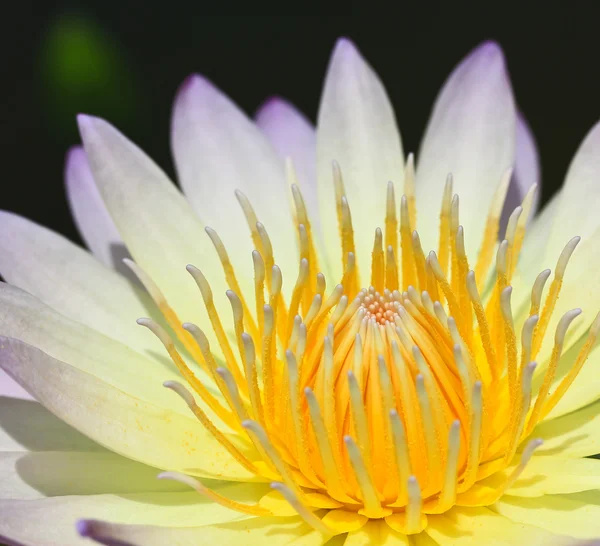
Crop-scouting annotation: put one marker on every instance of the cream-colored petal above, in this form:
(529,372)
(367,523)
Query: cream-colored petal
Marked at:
(27,319)
(26,425)
(478,526)
(89,212)
(357,128)
(157,224)
(577,515)
(72,281)
(471,133)
(168,513)
(218,150)
(376,532)
(576,434)
(127,425)
(40,474)
(552,475)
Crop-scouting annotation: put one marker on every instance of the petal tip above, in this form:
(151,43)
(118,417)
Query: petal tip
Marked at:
(345,46)
(87,124)
(488,53)
(194,83)
(271,106)
(84,527)
(74,154)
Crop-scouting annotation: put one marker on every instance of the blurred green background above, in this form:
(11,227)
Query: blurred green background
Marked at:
(125,62)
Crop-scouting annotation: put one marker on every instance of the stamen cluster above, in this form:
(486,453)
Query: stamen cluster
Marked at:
(395,401)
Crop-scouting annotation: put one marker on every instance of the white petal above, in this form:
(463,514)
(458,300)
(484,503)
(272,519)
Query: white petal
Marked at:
(72,281)
(526,173)
(25,318)
(292,135)
(130,426)
(157,224)
(56,518)
(580,193)
(471,133)
(91,217)
(357,128)
(217,150)
(577,214)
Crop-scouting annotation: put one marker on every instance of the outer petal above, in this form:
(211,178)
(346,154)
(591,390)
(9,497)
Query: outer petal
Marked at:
(131,427)
(154,219)
(526,173)
(26,425)
(217,150)
(292,135)
(93,221)
(271,531)
(576,214)
(576,434)
(55,518)
(72,281)
(475,526)
(25,318)
(376,532)
(551,475)
(580,195)
(577,515)
(471,134)
(357,128)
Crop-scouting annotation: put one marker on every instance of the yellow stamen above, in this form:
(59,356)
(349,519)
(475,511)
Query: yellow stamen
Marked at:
(555,287)
(194,483)
(423,369)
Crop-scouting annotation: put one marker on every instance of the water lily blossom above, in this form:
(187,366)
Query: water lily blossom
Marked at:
(321,340)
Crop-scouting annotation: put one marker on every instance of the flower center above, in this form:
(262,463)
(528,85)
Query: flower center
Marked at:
(395,401)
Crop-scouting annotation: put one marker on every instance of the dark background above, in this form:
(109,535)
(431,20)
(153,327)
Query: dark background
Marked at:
(124,63)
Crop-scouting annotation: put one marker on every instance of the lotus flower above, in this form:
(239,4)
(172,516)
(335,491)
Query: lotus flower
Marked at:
(354,350)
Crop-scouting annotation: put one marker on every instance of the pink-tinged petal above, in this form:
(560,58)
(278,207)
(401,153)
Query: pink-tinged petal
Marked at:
(292,135)
(218,150)
(471,134)
(526,173)
(89,212)
(9,387)
(357,128)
